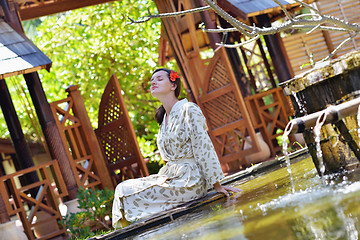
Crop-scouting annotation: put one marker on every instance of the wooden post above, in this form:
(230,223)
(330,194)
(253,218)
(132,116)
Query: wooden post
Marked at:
(22,150)
(93,144)
(329,43)
(11,15)
(4,216)
(276,50)
(46,119)
(51,132)
(213,37)
(266,62)
(236,64)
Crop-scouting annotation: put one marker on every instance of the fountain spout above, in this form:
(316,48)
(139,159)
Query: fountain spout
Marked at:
(331,114)
(318,93)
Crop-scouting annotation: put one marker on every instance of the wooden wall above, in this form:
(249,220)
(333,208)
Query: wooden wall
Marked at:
(302,47)
(347,10)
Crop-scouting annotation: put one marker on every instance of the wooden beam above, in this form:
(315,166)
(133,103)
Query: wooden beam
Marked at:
(232,10)
(52,7)
(22,150)
(277,51)
(50,130)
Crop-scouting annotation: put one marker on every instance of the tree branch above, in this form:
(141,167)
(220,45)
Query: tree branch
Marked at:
(340,46)
(165,15)
(239,44)
(283,9)
(317,21)
(284,28)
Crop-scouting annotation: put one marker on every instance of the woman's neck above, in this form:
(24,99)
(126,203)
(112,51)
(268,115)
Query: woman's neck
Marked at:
(168,104)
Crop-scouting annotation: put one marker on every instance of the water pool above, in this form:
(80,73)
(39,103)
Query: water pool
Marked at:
(268,209)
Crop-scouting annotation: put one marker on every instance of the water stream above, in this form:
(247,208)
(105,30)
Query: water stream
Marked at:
(302,109)
(287,159)
(268,209)
(358,122)
(317,132)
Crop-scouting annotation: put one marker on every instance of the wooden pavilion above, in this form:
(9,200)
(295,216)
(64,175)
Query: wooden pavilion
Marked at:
(237,96)
(256,68)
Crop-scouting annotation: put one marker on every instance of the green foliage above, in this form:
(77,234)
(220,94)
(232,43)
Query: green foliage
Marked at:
(280,140)
(94,216)
(87,46)
(295,145)
(148,150)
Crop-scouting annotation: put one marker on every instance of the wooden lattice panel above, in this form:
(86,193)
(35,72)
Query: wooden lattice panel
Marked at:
(77,147)
(259,71)
(112,109)
(117,137)
(222,110)
(115,145)
(225,111)
(231,142)
(217,80)
(36,203)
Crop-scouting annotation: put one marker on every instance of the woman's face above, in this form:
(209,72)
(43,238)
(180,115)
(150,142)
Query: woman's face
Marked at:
(160,84)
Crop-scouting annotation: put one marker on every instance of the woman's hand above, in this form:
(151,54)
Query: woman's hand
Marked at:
(225,189)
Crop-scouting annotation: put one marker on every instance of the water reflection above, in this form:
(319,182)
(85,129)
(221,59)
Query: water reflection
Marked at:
(268,209)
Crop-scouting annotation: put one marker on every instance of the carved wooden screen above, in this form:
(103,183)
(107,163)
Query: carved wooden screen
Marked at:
(222,103)
(87,162)
(117,137)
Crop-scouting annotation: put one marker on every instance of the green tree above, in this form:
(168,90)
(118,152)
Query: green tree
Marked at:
(87,46)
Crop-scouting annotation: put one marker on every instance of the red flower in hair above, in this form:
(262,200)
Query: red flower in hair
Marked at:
(173,76)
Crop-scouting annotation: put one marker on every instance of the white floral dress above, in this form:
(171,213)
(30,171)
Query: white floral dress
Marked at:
(192,167)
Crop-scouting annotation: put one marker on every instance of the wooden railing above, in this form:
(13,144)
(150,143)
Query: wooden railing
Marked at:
(270,112)
(82,147)
(36,203)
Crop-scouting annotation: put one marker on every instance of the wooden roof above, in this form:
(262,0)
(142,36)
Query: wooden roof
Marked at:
(37,8)
(18,55)
(7,147)
(244,9)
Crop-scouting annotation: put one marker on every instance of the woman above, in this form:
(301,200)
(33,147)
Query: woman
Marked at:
(192,165)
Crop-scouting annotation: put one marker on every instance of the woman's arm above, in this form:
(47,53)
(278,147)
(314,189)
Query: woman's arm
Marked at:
(202,147)
(225,190)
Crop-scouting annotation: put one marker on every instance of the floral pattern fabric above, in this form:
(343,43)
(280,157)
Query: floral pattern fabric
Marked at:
(192,167)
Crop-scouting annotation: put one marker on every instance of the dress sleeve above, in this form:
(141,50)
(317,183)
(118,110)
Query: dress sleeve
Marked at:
(203,149)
